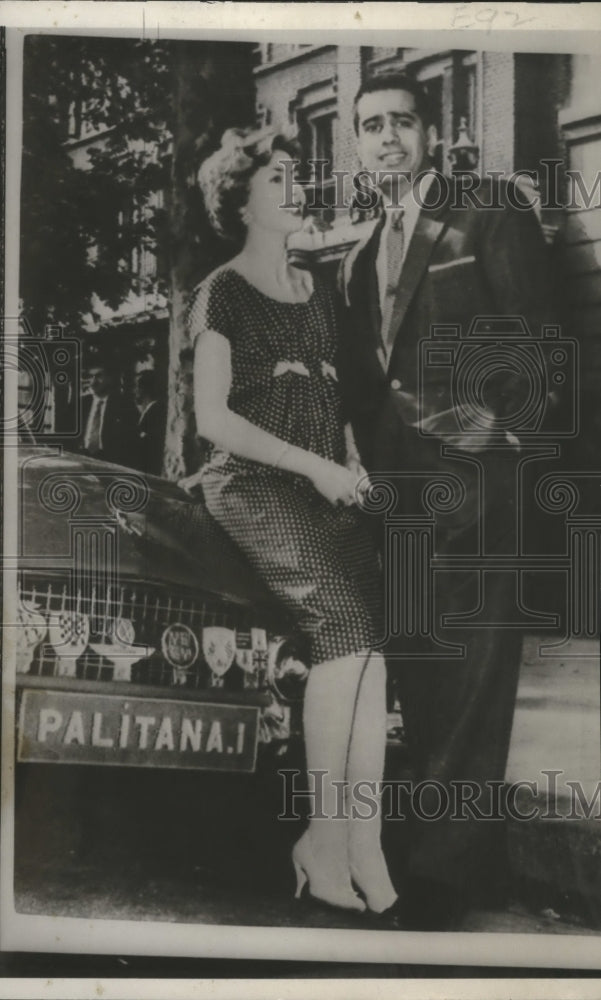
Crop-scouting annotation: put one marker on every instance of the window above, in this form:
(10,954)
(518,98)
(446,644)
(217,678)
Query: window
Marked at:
(264,53)
(79,124)
(132,263)
(317,134)
(314,111)
(322,127)
(263,117)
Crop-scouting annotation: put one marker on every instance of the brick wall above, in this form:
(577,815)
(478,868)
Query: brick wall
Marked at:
(349,80)
(497,111)
(277,87)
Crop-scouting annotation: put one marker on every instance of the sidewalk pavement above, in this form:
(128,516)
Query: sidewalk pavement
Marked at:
(555,856)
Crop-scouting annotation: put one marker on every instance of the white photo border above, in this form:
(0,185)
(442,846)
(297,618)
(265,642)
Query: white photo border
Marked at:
(552,28)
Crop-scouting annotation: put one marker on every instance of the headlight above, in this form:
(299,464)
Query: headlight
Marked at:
(287,671)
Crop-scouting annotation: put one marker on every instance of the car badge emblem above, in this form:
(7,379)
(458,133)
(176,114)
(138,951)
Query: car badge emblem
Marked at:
(245,660)
(69,632)
(32,629)
(253,660)
(180,648)
(258,639)
(120,649)
(286,672)
(125,632)
(219,648)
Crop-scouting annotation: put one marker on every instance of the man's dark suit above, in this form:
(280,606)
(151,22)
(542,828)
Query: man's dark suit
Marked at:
(461,263)
(117,432)
(151,438)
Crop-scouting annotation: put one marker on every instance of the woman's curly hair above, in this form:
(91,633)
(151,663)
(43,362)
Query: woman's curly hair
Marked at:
(225,176)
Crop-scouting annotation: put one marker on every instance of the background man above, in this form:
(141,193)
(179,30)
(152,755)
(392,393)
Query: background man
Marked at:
(151,424)
(439,261)
(108,422)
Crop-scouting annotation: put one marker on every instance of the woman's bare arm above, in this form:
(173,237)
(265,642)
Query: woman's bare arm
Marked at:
(233,433)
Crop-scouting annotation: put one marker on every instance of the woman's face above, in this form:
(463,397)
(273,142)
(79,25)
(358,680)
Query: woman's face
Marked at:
(275,202)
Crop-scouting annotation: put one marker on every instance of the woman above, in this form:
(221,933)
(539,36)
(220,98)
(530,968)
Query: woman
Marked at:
(283,479)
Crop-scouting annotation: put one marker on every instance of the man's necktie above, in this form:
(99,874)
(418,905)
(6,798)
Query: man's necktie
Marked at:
(95,426)
(395,249)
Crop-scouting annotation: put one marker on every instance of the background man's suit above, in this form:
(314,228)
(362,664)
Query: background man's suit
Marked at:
(151,437)
(461,263)
(117,432)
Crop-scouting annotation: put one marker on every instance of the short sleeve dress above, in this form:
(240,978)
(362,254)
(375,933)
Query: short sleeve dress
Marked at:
(318,559)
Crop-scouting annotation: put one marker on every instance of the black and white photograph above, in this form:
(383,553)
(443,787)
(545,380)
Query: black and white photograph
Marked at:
(302,534)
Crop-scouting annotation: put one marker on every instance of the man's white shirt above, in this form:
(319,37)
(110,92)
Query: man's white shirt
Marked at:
(142,413)
(98,404)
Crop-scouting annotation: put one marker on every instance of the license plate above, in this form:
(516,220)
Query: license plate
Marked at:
(71,728)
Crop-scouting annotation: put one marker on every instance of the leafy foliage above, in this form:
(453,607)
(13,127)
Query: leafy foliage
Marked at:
(136,125)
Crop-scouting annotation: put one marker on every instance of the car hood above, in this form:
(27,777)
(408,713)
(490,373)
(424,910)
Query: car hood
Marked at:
(162,534)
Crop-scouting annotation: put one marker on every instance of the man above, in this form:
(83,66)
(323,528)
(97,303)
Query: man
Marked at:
(108,423)
(443,260)
(151,424)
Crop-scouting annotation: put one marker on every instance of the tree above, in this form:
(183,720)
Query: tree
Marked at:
(146,114)
(211,91)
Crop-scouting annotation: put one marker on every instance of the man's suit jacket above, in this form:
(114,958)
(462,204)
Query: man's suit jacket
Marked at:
(118,429)
(462,263)
(151,438)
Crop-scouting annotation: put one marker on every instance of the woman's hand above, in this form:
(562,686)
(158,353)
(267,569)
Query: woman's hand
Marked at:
(189,482)
(353,464)
(336,483)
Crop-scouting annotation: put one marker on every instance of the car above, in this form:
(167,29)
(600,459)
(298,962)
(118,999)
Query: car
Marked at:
(145,638)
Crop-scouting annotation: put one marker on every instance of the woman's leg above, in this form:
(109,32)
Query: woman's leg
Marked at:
(302,548)
(366,765)
(328,717)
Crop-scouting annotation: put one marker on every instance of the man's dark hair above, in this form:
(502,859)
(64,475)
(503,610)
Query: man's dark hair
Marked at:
(104,364)
(396,81)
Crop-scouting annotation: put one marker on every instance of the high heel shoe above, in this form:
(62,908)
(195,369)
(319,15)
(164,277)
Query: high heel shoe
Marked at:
(322,885)
(370,874)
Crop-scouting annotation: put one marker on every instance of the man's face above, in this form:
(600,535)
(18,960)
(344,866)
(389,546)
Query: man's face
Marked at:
(391,135)
(100,382)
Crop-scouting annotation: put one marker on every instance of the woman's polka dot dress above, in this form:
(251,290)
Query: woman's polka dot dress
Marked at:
(317,558)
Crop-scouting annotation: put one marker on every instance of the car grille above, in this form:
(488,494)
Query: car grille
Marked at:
(119,634)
